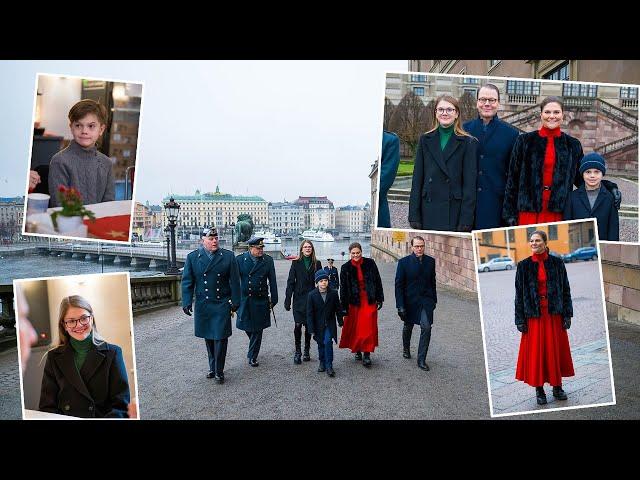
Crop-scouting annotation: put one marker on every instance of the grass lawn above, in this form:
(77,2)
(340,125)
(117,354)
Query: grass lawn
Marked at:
(405,168)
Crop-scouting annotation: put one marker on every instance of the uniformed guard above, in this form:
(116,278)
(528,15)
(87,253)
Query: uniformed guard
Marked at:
(212,273)
(254,314)
(334,279)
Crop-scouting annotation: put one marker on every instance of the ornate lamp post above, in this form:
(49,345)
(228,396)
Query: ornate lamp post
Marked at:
(168,238)
(172,209)
(233,228)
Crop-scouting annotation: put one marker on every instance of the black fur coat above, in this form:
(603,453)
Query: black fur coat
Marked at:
(527,302)
(523,191)
(349,289)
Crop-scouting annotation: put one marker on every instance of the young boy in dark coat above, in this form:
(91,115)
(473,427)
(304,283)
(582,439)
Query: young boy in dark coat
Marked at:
(323,311)
(592,199)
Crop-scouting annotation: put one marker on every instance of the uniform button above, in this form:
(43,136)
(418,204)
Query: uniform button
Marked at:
(479,189)
(206,289)
(205,281)
(249,294)
(218,274)
(480,172)
(218,290)
(206,298)
(205,274)
(67,408)
(218,296)
(481,156)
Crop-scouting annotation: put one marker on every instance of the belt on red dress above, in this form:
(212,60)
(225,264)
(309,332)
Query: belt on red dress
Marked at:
(543,297)
(547,187)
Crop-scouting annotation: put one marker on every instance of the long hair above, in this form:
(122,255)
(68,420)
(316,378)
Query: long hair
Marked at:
(543,235)
(457,124)
(79,302)
(313,253)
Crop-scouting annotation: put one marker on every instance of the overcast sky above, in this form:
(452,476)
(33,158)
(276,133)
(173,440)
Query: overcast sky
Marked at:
(277,129)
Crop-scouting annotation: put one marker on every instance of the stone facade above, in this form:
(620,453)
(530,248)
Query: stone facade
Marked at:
(454,254)
(621,277)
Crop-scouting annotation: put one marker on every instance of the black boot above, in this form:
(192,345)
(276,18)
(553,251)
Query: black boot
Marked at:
(366,361)
(406,340)
(406,353)
(559,393)
(541,397)
(358,356)
(296,356)
(306,357)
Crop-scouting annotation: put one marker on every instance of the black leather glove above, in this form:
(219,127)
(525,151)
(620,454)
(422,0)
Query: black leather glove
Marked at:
(379,305)
(566,323)
(234,308)
(617,200)
(188,309)
(402,313)
(416,225)
(287,306)
(465,228)
(522,327)
(512,222)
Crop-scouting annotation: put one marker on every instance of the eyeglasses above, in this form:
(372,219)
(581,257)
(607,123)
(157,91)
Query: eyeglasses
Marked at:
(72,322)
(449,110)
(484,100)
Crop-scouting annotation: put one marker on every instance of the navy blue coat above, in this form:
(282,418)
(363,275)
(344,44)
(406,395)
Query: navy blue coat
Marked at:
(216,285)
(254,313)
(334,279)
(389,162)
(494,151)
(443,188)
(603,210)
(99,390)
(321,314)
(416,287)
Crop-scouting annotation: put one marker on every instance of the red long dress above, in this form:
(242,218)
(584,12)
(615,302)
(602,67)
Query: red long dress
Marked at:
(544,356)
(544,216)
(360,330)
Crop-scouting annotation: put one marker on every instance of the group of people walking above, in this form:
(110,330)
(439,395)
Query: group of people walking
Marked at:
(321,300)
(485,174)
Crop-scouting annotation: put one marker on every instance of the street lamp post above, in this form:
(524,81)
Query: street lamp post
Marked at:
(233,227)
(167,232)
(172,209)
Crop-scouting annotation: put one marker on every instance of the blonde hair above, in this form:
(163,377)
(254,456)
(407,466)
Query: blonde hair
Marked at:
(457,124)
(78,302)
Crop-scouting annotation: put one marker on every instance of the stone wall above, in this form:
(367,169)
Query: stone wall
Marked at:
(621,276)
(453,254)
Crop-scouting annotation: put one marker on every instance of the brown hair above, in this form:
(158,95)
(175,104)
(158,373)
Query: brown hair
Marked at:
(490,86)
(542,235)
(86,107)
(457,125)
(551,99)
(355,245)
(418,237)
(313,253)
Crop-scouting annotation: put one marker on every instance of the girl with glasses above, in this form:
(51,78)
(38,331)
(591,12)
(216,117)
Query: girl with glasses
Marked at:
(84,376)
(443,190)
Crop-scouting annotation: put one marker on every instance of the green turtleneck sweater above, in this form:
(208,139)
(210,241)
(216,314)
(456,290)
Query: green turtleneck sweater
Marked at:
(445,135)
(307,261)
(81,349)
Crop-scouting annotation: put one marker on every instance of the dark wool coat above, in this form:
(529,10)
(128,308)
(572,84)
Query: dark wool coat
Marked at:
(389,162)
(216,286)
(524,187)
(254,313)
(321,314)
(300,282)
(527,301)
(99,390)
(416,287)
(603,211)
(349,288)
(494,150)
(443,188)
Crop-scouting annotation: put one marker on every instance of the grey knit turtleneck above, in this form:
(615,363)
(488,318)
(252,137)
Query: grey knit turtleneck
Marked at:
(86,169)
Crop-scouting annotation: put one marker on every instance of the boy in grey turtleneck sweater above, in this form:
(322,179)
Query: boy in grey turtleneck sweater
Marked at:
(81,165)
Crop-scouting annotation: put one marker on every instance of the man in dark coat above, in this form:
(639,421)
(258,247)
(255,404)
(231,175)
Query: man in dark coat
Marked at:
(416,298)
(496,139)
(389,162)
(212,274)
(254,315)
(334,278)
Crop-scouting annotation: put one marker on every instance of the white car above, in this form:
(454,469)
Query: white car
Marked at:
(499,263)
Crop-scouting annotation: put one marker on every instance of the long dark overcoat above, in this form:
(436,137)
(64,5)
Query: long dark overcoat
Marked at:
(257,285)
(300,282)
(416,287)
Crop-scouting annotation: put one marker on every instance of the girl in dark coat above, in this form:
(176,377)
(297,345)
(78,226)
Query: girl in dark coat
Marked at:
(443,189)
(542,171)
(299,284)
(84,376)
(543,311)
(361,296)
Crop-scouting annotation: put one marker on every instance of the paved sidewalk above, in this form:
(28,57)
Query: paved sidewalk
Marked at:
(10,407)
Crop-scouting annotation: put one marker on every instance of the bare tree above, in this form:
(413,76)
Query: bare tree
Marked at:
(468,108)
(410,119)
(389,108)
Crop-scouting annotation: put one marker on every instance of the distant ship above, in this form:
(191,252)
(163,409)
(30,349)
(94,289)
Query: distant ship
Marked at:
(317,236)
(269,237)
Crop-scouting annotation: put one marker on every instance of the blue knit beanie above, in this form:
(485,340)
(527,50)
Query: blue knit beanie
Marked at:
(321,275)
(593,160)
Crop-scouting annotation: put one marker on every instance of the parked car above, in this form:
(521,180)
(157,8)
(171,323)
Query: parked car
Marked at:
(584,253)
(498,263)
(557,255)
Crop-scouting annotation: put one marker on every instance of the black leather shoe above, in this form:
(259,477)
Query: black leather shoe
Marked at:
(559,393)
(296,358)
(306,357)
(253,362)
(358,356)
(406,353)
(219,379)
(211,375)
(366,361)
(423,366)
(321,368)
(330,372)
(541,397)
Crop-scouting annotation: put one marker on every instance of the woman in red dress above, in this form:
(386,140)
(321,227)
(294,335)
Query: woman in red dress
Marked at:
(361,296)
(542,171)
(543,311)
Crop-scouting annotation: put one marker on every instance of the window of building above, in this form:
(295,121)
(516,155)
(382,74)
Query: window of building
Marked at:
(418,91)
(512,235)
(470,80)
(487,237)
(553,232)
(561,72)
(521,87)
(418,78)
(628,92)
(530,230)
(579,90)
(493,62)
